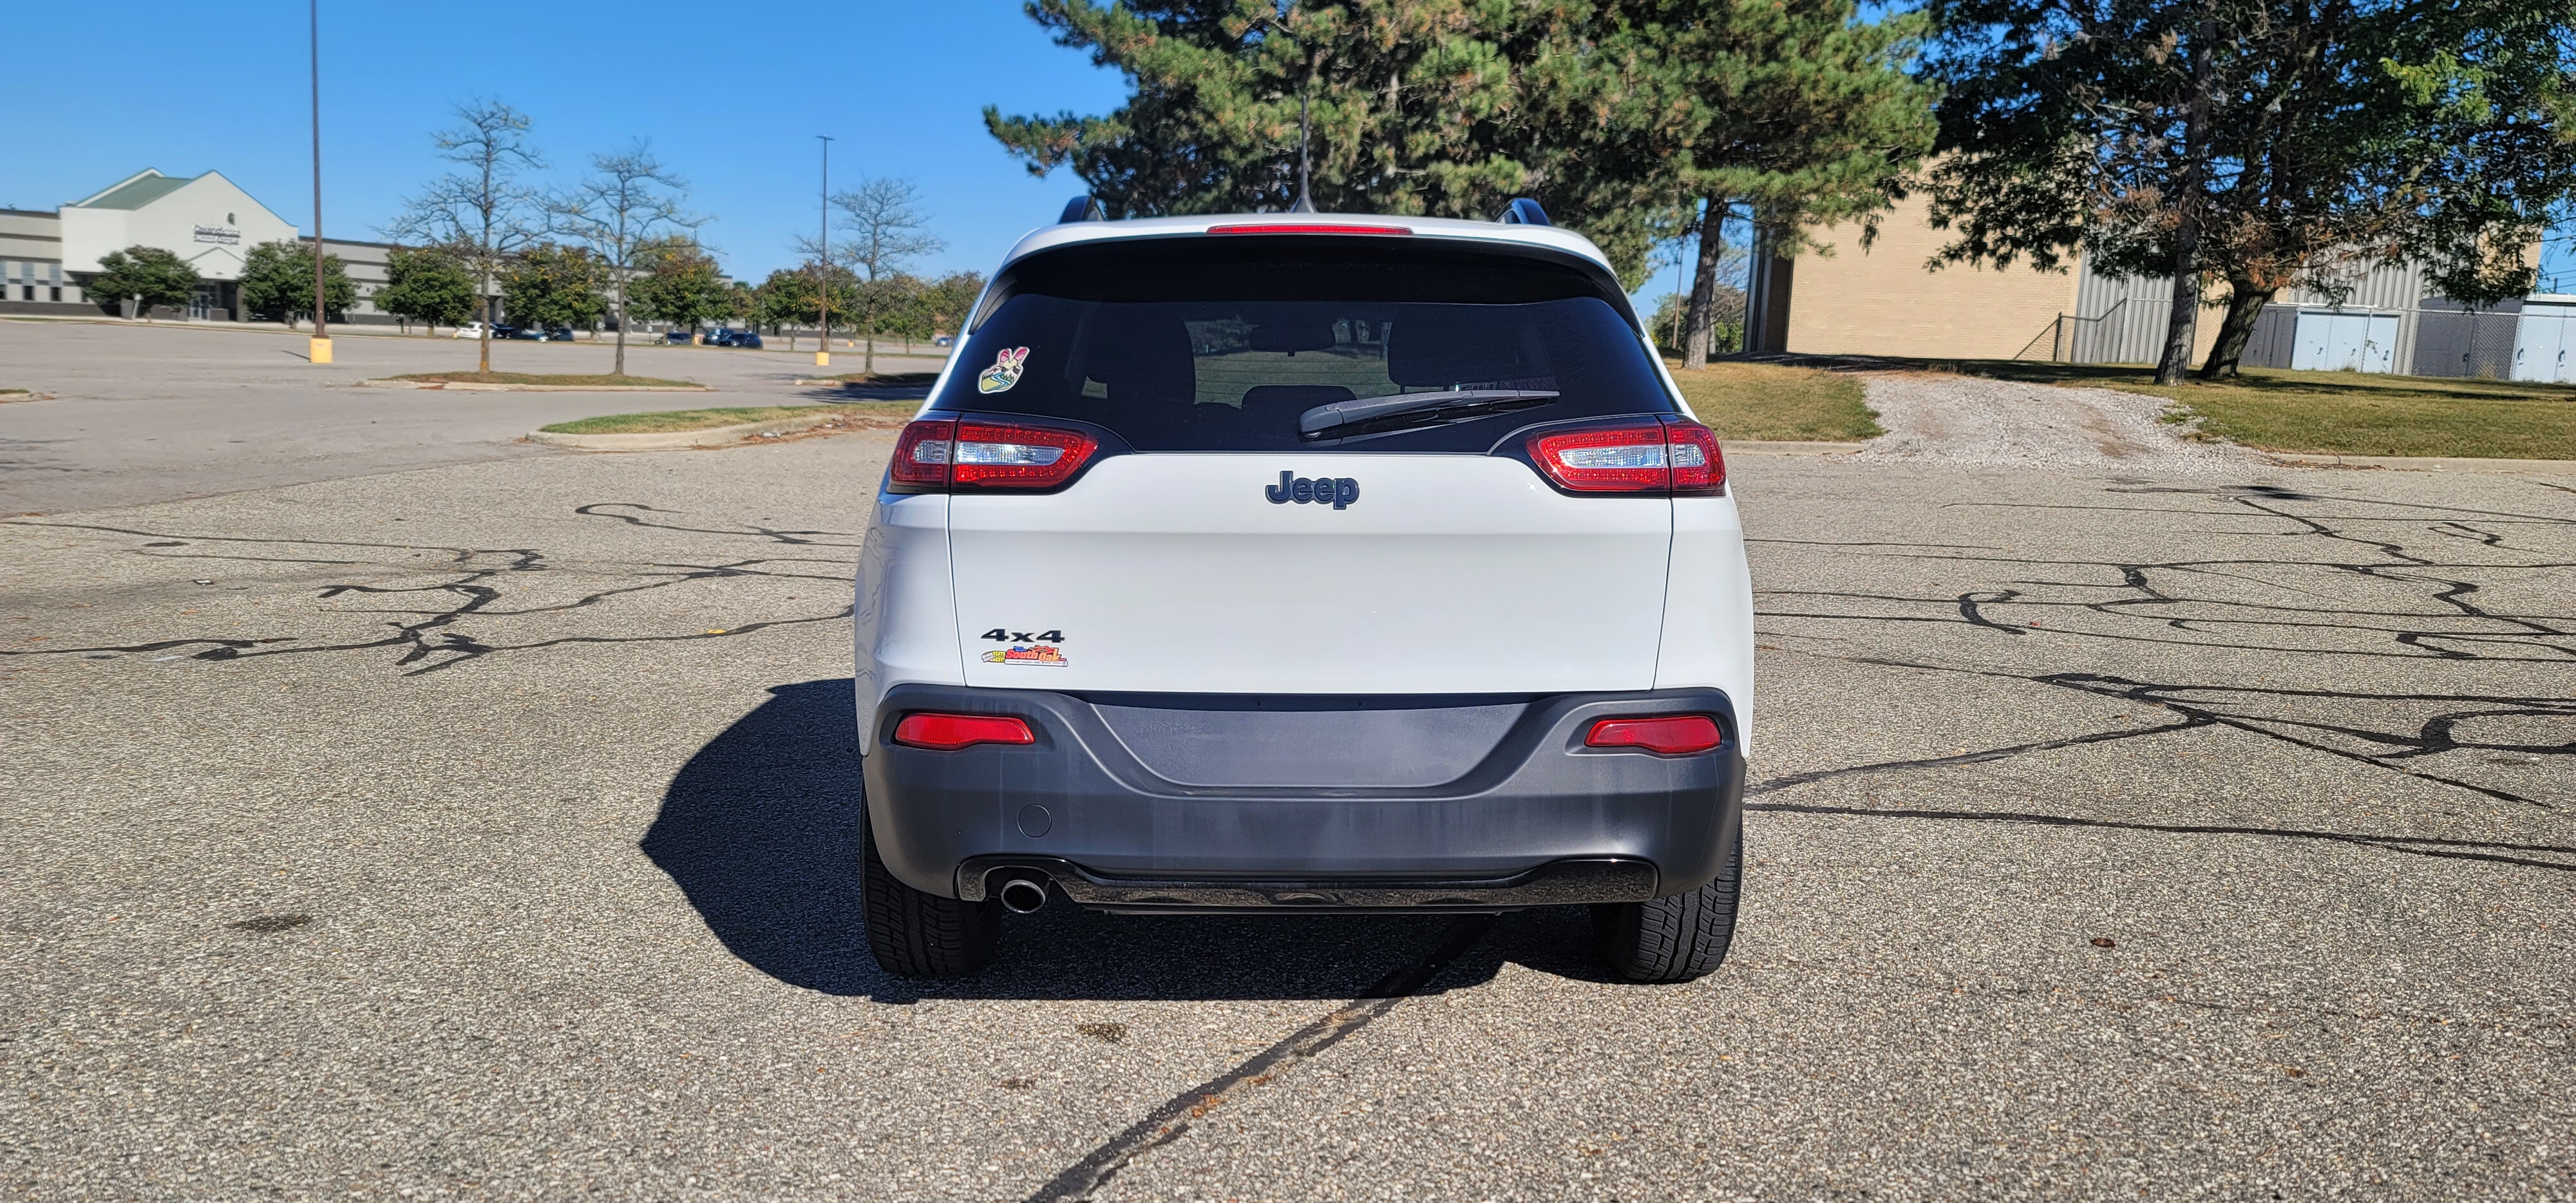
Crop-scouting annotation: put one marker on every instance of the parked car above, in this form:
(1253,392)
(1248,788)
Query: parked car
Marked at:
(555,334)
(506,330)
(747,339)
(1452,618)
(943,341)
(469,330)
(678,338)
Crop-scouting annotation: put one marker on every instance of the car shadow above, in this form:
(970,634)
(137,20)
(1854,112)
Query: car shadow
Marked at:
(760,829)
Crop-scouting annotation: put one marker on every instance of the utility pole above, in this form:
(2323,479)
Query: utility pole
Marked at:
(823,261)
(321,351)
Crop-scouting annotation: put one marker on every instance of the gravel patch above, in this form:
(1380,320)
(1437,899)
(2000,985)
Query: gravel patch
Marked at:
(1937,418)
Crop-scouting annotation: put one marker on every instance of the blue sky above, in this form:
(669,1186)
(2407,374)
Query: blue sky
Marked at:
(730,96)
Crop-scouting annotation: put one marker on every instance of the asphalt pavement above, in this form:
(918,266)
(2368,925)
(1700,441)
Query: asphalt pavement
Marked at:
(132,413)
(485,831)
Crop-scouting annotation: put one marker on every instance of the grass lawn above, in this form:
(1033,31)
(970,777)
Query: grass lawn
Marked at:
(708,419)
(1774,402)
(2345,413)
(540,378)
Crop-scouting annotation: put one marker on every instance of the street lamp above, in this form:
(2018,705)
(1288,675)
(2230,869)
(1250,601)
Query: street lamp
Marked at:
(321,351)
(823,261)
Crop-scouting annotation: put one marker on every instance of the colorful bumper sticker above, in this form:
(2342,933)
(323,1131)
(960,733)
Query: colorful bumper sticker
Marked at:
(1033,654)
(1005,371)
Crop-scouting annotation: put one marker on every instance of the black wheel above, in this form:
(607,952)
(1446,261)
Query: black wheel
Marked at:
(1674,938)
(914,934)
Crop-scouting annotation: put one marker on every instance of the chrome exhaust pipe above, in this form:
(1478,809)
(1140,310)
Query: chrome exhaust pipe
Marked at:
(1022,896)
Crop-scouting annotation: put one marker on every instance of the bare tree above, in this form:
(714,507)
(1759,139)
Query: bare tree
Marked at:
(889,230)
(482,213)
(629,200)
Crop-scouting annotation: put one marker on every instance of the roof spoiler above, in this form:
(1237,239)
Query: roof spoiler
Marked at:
(1524,212)
(1085,208)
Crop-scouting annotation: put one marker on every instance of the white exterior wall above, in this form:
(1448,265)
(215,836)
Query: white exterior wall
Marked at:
(210,222)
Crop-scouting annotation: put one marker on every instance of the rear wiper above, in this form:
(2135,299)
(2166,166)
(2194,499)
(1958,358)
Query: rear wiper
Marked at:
(1316,422)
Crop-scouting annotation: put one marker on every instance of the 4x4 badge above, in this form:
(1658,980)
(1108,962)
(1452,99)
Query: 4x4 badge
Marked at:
(1337,491)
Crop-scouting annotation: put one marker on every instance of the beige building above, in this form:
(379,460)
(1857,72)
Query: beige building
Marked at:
(1894,298)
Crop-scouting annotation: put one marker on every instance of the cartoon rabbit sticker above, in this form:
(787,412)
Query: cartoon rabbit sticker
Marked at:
(1005,371)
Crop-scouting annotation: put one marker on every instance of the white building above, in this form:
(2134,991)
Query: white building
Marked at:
(206,220)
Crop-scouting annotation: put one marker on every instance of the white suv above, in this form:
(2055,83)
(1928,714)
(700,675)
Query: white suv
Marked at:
(1304,562)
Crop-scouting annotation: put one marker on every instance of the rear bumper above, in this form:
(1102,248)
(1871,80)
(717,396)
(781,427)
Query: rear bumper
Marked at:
(1534,818)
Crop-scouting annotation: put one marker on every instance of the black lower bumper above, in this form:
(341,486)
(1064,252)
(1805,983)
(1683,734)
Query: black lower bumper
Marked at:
(1517,811)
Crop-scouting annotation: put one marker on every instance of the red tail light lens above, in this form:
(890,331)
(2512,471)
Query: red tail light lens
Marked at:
(1698,466)
(1672,735)
(1674,455)
(949,732)
(998,456)
(936,454)
(1623,459)
(921,455)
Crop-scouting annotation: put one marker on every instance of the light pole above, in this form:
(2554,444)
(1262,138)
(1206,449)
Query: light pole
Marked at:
(321,352)
(823,261)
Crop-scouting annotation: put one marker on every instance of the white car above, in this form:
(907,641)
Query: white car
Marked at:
(1304,562)
(469,330)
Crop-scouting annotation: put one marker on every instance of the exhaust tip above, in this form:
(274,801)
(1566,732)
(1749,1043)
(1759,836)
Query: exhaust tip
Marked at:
(1022,896)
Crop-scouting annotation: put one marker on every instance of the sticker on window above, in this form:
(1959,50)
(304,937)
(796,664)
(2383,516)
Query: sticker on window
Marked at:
(1005,371)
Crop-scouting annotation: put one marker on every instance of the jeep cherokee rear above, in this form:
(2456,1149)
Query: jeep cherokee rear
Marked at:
(1325,562)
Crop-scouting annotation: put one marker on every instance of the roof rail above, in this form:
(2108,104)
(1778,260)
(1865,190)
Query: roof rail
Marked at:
(1082,208)
(1524,212)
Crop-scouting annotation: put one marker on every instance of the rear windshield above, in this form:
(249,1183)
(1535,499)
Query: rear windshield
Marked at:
(1251,349)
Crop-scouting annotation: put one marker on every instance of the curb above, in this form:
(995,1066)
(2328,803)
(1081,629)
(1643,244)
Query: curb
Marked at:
(1785,447)
(682,440)
(470,387)
(2422,463)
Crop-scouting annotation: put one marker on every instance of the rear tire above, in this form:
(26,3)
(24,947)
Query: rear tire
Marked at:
(1674,938)
(918,934)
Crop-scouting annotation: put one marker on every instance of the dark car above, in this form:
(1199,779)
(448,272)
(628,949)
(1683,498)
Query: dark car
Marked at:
(747,338)
(508,331)
(556,334)
(677,338)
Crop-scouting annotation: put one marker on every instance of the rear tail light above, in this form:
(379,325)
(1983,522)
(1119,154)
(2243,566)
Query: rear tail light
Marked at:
(1669,456)
(938,454)
(921,455)
(998,456)
(949,732)
(1671,735)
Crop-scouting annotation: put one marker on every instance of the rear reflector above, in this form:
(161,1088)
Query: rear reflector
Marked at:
(949,732)
(1672,735)
(1673,455)
(936,454)
(1315,227)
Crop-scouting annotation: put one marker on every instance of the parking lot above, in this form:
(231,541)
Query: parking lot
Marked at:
(485,830)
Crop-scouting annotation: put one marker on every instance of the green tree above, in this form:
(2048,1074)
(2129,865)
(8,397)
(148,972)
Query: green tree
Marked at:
(146,275)
(1796,111)
(886,230)
(680,283)
(554,285)
(277,283)
(483,210)
(2260,143)
(629,202)
(948,301)
(787,298)
(431,285)
(1436,107)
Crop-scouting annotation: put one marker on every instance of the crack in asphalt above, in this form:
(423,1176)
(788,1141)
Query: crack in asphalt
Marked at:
(1171,1120)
